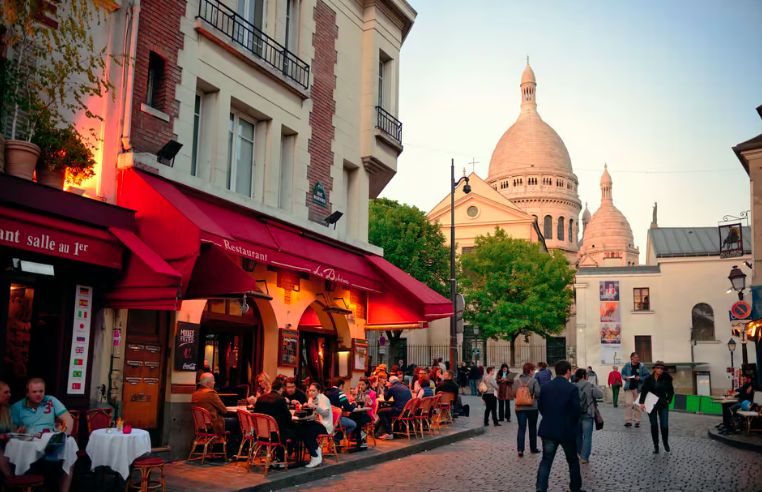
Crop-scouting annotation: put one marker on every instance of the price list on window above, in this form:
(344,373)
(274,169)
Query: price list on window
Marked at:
(80,340)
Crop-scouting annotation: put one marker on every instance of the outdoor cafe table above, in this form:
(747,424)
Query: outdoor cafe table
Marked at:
(117,450)
(22,453)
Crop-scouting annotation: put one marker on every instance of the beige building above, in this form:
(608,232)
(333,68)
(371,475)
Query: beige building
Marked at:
(674,308)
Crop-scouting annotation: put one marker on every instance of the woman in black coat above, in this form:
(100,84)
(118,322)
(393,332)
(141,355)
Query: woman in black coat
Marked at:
(660,384)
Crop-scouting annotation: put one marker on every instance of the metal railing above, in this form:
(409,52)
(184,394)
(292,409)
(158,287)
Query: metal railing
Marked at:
(243,33)
(388,124)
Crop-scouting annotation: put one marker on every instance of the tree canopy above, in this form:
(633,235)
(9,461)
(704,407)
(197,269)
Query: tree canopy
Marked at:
(410,242)
(511,287)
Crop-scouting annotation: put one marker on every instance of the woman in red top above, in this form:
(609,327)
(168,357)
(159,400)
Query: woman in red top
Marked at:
(615,383)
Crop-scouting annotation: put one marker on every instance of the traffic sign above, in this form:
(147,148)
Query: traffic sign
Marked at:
(740,310)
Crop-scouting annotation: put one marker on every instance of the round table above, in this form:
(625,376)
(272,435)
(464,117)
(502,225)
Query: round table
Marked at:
(117,450)
(22,453)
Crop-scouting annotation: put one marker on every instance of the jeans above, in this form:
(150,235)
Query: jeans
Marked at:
(523,416)
(472,385)
(349,425)
(663,424)
(504,410)
(585,437)
(385,415)
(490,406)
(615,390)
(549,449)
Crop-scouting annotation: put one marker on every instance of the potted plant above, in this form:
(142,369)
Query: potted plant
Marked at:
(63,155)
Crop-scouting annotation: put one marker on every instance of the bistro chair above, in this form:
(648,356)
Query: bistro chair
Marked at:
(98,418)
(326,441)
(145,466)
(407,417)
(337,427)
(23,483)
(75,417)
(446,401)
(267,440)
(247,422)
(423,414)
(205,437)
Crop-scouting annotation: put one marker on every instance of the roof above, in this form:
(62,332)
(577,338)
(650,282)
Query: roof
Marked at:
(671,242)
(752,144)
(618,270)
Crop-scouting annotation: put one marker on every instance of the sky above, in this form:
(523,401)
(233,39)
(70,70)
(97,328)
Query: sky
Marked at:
(658,90)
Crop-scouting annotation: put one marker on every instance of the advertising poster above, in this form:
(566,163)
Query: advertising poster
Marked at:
(610,312)
(611,333)
(609,290)
(80,340)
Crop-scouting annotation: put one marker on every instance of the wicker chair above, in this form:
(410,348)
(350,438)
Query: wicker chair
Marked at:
(205,437)
(23,483)
(445,408)
(337,427)
(267,439)
(423,414)
(247,422)
(326,441)
(98,418)
(145,466)
(407,417)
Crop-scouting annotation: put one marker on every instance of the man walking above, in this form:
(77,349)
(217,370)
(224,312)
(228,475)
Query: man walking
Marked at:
(559,405)
(633,373)
(615,383)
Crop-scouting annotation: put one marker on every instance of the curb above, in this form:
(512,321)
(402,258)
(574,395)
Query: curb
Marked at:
(748,446)
(318,473)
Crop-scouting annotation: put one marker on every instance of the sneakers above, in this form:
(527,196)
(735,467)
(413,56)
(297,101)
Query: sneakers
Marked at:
(521,454)
(277,464)
(535,451)
(637,425)
(583,461)
(386,437)
(314,461)
(628,424)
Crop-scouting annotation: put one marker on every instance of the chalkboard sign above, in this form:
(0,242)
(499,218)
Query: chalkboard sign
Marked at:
(186,346)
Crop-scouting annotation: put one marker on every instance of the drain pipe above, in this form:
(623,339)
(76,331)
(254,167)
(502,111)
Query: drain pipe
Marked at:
(129,75)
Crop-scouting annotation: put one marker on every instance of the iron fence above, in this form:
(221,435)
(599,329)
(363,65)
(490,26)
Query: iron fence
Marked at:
(388,124)
(424,355)
(253,40)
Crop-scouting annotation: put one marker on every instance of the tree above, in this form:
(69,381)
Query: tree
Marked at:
(411,243)
(513,288)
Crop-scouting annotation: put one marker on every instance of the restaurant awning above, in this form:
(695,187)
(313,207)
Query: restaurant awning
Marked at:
(217,275)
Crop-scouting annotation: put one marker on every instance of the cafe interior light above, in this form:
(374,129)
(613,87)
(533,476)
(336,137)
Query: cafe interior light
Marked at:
(33,267)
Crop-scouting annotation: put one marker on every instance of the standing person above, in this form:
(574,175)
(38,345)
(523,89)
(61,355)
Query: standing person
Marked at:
(490,397)
(634,373)
(660,384)
(442,365)
(463,377)
(526,411)
(560,410)
(588,393)
(544,375)
(473,378)
(592,377)
(615,383)
(504,393)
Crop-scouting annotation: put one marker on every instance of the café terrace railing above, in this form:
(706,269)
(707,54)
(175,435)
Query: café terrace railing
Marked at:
(243,33)
(388,124)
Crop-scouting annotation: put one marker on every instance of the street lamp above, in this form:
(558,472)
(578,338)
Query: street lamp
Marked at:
(732,348)
(453,287)
(738,283)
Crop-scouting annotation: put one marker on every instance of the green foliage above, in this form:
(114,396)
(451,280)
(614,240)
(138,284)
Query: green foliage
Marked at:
(63,148)
(410,242)
(512,287)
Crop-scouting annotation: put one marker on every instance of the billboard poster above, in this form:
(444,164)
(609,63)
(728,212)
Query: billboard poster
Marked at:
(611,333)
(609,290)
(610,312)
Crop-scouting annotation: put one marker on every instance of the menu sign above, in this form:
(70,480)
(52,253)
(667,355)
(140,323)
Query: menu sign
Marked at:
(186,346)
(80,340)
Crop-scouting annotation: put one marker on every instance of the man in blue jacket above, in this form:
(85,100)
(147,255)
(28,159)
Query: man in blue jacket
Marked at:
(634,374)
(559,405)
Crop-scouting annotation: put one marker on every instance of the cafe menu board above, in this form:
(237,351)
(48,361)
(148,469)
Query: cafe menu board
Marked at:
(80,340)
(186,346)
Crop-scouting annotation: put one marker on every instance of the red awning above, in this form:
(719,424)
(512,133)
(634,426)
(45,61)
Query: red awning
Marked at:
(166,210)
(217,275)
(148,282)
(405,302)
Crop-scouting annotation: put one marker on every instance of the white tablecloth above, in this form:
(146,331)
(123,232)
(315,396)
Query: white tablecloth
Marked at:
(24,453)
(117,450)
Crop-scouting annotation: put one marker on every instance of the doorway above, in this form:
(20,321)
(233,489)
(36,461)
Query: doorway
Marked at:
(317,355)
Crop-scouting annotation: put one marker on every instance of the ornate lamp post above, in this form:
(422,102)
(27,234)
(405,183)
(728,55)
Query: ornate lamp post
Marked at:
(731,349)
(453,286)
(738,283)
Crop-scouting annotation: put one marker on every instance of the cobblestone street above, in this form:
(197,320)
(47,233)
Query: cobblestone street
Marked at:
(621,461)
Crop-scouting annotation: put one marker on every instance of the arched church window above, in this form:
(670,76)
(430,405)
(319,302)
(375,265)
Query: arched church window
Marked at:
(547,227)
(571,230)
(702,316)
(561,226)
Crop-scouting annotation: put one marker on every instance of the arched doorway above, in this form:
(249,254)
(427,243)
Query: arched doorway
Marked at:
(318,344)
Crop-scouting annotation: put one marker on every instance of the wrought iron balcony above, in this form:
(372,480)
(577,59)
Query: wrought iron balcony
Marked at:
(244,34)
(388,124)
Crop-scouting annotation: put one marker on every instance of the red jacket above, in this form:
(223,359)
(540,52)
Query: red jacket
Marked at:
(615,378)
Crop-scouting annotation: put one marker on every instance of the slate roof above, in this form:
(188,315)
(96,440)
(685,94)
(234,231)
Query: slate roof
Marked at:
(618,270)
(671,242)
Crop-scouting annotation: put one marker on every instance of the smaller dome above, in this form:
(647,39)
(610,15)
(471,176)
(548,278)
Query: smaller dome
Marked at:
(586,214)
(528,75)
(606,177)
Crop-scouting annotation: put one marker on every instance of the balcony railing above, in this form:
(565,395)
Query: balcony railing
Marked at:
(388,124)
(243,33)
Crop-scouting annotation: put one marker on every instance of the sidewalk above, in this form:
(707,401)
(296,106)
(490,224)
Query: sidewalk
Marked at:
(216,476)
(750,442)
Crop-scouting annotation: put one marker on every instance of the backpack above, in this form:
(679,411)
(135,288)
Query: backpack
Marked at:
(523,397)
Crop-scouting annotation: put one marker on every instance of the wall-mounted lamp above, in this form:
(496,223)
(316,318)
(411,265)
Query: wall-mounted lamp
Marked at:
(333,218)
(166,155)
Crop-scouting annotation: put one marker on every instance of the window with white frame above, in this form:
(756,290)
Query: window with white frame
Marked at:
(196,132)
(253,12)
(291,40)
(240,154)
(384,80)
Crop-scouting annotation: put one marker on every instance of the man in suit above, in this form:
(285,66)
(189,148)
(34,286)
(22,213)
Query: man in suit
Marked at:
(208,399)
(274,405)
(559,405)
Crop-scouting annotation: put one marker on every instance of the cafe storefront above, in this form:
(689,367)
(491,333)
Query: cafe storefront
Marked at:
(259,294)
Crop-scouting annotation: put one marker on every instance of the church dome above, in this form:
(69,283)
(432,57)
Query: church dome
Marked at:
(530,144)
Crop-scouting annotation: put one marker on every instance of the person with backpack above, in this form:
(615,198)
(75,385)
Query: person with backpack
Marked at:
(526,393)
(588,394)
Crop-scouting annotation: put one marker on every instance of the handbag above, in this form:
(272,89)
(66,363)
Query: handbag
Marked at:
(597,416)
(482,388)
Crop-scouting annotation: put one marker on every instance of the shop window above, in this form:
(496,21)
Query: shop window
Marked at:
(641,299)
(702,316)
(643,347)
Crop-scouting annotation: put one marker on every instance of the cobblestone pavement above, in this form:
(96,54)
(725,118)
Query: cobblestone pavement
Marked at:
(622,460)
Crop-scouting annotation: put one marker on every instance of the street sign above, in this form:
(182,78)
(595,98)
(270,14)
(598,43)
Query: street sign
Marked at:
(740,310)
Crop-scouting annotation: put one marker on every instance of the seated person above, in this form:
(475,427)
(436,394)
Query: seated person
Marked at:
(274,405)
(38,412)
(365,396)
(745,395)
(424,386)
(401,395)
(292,393)
(356,420)
(207,398)
(448,385)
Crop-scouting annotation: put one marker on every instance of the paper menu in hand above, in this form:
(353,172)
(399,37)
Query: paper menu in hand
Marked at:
(651,401)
